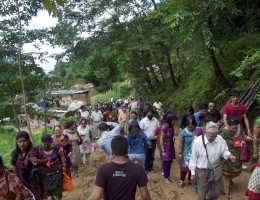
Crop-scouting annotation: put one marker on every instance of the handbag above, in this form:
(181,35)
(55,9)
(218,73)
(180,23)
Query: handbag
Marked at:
(66,183)
(214,169)
(244,152)
(183,166)
(80,142)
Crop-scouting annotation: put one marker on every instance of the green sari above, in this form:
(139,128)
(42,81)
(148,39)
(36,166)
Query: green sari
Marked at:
(229,167)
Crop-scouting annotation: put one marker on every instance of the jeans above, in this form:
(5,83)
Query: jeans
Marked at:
(149,156)
(139,158)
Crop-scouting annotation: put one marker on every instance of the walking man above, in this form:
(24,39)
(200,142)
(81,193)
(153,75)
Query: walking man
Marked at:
(107,135)
(235,110)
(149,125)
(118,179)
(96,117)
(205,164)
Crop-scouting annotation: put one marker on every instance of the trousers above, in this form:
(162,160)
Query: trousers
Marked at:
(209,190)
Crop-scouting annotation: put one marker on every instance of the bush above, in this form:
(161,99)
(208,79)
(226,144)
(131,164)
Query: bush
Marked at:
(7,141)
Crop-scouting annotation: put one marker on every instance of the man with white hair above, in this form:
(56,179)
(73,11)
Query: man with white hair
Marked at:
(205,164)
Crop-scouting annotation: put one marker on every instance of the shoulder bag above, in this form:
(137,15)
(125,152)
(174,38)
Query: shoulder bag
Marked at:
(214,169)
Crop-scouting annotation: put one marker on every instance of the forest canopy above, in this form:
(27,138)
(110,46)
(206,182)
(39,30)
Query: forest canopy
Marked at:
(182,52)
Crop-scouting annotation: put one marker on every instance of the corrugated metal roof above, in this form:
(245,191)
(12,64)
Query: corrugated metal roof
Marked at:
(68,92)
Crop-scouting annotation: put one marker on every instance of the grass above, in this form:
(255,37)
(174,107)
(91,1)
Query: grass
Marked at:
(7,143)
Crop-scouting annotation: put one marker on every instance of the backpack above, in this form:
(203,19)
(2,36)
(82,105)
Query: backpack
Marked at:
(27,194)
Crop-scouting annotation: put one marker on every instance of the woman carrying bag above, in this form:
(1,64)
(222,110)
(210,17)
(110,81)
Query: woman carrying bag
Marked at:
(233,136)
(185,145)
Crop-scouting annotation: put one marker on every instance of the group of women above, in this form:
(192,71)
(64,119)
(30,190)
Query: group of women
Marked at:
(38,171)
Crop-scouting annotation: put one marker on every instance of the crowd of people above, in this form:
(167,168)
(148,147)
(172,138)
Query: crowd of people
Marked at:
(208,155)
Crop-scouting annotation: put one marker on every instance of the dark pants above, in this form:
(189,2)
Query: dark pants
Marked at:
(166,165)
(183,175)
(149,156)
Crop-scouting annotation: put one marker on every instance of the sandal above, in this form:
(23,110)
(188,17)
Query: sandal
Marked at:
(227,195)
(181,184)
(167,181)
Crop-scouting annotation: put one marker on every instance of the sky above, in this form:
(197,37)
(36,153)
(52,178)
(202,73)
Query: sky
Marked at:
(43,20)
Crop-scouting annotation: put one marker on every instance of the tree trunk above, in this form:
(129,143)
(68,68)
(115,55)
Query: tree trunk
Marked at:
(21,72)
(161,72)
(158,83)
(147,58)
(145,66)
(148,79)
(169,62)
(217,71)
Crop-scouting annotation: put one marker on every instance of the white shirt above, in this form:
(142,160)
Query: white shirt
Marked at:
(149,127)
(157,105)
(105,141)
(96,116)
(216,149)
(84,114)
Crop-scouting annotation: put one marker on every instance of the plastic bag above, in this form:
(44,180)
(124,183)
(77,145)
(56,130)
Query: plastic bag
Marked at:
(66,183)
(93,148)
(245,152)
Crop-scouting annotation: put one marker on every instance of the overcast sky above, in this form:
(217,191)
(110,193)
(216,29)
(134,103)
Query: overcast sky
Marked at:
(43,20)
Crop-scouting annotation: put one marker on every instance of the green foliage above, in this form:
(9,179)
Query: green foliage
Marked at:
(7,140)
(250,65)
(49,5)
(120,90)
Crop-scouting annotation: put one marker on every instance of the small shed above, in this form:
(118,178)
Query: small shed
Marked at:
(68,96)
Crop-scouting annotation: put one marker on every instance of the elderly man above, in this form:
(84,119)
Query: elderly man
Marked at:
(205,164)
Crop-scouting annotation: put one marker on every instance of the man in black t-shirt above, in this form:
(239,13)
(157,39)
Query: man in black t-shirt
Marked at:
(214,113)
(118,179)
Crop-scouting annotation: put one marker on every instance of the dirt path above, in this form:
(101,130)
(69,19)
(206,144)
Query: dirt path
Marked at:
(159,191)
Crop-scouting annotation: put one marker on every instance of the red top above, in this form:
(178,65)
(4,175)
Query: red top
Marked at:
(234,111)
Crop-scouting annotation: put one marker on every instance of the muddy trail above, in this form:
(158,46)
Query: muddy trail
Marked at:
(84,184)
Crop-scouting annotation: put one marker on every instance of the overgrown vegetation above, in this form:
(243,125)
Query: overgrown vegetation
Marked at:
(7,142)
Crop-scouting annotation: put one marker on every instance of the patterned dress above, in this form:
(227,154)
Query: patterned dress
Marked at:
(65,147)
(14,186)
(253,191)
(75,155)
(257,125)
(52,172)
(25,171)
(84,133)
(229,167)
(123,118)
(168,144)
(187,138)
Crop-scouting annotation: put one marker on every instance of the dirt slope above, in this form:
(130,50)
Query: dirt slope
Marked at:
(159,191)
